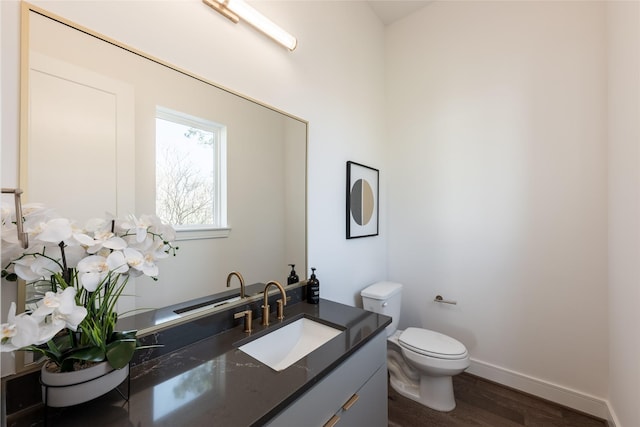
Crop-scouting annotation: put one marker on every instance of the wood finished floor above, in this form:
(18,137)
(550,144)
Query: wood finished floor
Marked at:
(483,403)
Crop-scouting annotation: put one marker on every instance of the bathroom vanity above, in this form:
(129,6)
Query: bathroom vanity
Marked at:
(354,394)
(213,382)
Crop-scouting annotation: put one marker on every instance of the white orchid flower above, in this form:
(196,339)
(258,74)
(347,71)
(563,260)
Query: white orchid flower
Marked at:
(23,330)
(111,241)
(9,232)
(10,329)
(7,330)
(96,224)
(19,331)
(98,235)
(134,259)
(34,209)
(140,225)
(159,250)
(55,231)
(10,251)
(34,267)
(149,268)
(6,215)
(50,302)
(48,329)
(117,262)
(153,254)
(62,307)
(93,269)
(32,213)
(141,263)
(100,240)
(84,239)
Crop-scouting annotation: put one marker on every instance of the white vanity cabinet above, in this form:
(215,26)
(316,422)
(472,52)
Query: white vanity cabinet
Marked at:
(354,394)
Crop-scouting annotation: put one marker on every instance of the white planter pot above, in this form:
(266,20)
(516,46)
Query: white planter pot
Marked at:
(60,389)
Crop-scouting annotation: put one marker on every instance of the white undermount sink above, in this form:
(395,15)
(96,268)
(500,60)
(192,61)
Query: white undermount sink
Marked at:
(285,346)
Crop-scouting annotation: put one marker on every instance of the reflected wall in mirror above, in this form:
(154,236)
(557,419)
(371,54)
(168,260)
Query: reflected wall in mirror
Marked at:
(88,147)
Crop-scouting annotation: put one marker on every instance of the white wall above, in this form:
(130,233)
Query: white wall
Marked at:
(623,27)
(334,79)
(498,187)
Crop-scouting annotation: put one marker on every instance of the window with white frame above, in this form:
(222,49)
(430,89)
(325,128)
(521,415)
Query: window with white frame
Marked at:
(190,171)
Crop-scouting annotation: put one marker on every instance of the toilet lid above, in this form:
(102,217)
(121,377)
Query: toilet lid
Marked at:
(431,343)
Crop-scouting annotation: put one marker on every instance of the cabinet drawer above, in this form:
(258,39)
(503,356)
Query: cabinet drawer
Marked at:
(319,404)
(369,407)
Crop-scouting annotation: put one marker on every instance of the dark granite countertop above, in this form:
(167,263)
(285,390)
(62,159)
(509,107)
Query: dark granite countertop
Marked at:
(212,382)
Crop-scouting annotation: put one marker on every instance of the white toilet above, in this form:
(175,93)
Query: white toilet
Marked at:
(421,362)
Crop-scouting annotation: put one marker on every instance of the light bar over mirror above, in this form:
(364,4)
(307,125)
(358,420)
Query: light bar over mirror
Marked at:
(236,10)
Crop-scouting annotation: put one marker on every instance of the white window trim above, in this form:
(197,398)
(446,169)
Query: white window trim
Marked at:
(206,231)
(192,232)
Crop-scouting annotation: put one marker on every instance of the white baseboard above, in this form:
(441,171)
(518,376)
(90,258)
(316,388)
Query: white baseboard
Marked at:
(613,419)
(573,399)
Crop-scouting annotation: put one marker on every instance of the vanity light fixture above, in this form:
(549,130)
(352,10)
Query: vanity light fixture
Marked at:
(235,10)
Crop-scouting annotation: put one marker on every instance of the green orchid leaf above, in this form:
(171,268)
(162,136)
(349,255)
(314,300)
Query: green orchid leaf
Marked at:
(120,352)
(53,348)
(49,354)
(89,354)
(96,337)
(62,342)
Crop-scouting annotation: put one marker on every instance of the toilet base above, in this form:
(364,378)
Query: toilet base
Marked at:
(433,392)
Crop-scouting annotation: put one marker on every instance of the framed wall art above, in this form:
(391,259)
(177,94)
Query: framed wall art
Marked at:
(362,200)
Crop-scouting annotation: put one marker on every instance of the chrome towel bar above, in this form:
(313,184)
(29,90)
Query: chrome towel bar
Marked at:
(439,298)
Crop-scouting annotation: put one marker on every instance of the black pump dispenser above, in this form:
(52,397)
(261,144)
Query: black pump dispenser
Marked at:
(293,276)
(313,288)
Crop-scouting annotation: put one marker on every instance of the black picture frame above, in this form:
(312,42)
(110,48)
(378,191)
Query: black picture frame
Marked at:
(363,207)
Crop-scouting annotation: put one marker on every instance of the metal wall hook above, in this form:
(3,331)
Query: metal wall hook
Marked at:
(439,298)
(22,236)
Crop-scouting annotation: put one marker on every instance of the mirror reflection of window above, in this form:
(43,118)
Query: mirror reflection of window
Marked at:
(172,396)
(189,166)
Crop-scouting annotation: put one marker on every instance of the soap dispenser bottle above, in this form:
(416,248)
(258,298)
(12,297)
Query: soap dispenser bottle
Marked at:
(313,288)
(293,276)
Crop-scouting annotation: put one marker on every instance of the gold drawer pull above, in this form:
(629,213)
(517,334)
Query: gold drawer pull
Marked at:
(333,421)
(350,402)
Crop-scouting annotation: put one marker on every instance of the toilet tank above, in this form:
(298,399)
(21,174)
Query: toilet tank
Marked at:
(384,298)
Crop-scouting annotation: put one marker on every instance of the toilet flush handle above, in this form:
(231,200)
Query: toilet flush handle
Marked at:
(384,304)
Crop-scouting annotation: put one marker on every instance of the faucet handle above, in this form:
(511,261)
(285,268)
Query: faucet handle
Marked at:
(248,317)
(280,309)
(265,315)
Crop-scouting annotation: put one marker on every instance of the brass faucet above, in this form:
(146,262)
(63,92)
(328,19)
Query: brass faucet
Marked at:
(281,303)
(247,314)
(240,278)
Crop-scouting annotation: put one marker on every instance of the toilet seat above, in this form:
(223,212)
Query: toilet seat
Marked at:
(432,344)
